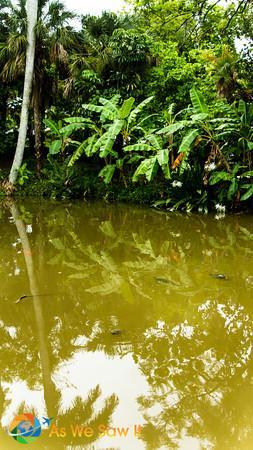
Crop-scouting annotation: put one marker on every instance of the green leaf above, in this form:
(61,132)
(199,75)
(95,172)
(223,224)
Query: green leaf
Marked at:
(233,188)
(126,108)
(163,161)
(120,163)
(242,107)
(55,147)
(249,173)
(188,140)
(148,168)
(138,109)
(170,129)
(69,129)
(250,145)
(90,144)
(107,173)
(112,133)
(77,154)
(110,110)
(226,126)
(155,141)
(77,120)
(100,142)
(199,117)
(236,168)
(198,102)
(134,159)
(171,109)
(93,108)
(138,148)
(52,125)
(247,194)
(219,176)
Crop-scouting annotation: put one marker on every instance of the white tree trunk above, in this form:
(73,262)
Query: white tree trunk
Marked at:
(32,13)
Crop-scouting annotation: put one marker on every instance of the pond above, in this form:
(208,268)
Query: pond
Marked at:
(131,328)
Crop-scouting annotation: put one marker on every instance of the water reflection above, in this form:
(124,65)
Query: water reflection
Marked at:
(181,361)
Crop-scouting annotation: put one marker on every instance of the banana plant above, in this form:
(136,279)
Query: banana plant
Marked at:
(122,123)
(239,128)
(159,157)
(200,126)
(59,133)
(233,182)
(119,125)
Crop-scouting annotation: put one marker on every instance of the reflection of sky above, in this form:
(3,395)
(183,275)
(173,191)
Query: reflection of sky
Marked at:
(76,377)
(115,375)
(17,393)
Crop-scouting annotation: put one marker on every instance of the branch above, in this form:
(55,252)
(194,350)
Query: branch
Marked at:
(241,3)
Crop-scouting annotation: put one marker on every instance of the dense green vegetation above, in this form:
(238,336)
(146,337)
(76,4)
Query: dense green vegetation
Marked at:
(152,106)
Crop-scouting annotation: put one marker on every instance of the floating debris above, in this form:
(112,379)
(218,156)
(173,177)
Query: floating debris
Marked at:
(219,276)
(23,297)
(116,332)
(163,280)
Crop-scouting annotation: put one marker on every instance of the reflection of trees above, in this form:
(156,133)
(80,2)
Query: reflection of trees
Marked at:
(83,412)
(102,264)
(201,375)
(49,391)
(80,411)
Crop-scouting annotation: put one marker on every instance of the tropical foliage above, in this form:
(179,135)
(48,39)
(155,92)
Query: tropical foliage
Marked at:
(157,101)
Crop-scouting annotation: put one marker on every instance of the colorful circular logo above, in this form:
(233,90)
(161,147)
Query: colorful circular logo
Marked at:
(25,428)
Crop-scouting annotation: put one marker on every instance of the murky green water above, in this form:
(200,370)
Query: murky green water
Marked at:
(129,335)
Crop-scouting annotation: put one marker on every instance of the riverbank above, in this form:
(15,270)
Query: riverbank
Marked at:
(84,183)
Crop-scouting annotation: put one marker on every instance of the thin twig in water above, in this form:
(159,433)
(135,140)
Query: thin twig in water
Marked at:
(23,297)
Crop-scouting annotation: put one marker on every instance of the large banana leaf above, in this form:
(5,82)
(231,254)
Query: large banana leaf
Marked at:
(126,108)
(112,101)
(110,109)
(138,109)
(108,114)
(233,188)
(148,168)
(52,125)
(107,173)
(219,176)
(155,141)
(100,142)
(55,147)
(93,108)
(163,161)
(112,133)
(188,140)
(138,148)
(69,129)
(170,129)
(77,120)
(84,147)
(77,154)
(198,102)
(247,194)
(199,117)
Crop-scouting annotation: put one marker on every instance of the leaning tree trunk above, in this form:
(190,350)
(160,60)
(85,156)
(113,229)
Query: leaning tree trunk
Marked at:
(32,13)
(37,125)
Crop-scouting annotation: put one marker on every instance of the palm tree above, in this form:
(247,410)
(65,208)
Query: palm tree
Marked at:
(32,13)
(225,73)
(53,39)
(4,86)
